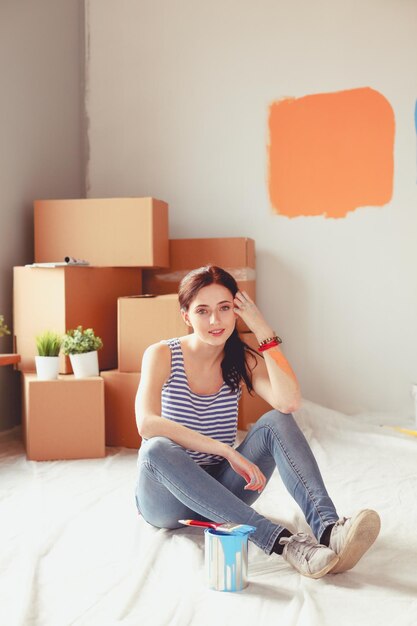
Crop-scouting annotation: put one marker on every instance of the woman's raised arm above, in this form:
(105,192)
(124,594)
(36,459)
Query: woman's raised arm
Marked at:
(273,378)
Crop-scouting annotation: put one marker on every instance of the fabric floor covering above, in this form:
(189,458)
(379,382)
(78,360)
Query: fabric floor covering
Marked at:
(74,551)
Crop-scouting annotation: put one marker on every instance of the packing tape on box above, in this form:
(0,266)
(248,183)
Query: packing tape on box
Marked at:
(238,273)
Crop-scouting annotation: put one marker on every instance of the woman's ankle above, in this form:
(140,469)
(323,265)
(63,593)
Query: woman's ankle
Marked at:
(277,548)
(325,537)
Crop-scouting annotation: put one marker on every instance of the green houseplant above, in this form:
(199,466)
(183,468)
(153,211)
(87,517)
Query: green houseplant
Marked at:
(48,345)
(3,327)
(81,346)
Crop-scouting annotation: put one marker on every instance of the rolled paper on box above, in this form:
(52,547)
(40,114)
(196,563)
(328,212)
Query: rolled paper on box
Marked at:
(226,560)
(70,260)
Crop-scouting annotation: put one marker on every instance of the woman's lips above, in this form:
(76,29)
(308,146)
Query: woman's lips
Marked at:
(216,333)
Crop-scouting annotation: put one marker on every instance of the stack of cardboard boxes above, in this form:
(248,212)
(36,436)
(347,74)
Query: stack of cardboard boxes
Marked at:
(128,295)
(66,418)
(142,320)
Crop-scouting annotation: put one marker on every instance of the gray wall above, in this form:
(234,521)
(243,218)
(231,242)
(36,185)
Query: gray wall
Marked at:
(177,98)
(42,135)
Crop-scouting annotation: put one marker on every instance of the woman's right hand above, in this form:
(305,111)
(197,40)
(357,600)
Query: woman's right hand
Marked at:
(255,480)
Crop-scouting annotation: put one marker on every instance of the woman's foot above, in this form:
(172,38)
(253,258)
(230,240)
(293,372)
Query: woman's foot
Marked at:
(307,556)
(351,537)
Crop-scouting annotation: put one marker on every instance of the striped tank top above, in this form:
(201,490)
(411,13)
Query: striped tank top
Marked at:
(214,415)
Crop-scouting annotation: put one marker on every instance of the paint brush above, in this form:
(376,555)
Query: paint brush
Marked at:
(405,431)
(225,527)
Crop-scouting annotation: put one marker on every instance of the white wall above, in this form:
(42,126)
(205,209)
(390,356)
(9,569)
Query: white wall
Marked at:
(177,100)
(41,148)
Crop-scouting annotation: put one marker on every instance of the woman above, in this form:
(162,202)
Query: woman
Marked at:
(186,409)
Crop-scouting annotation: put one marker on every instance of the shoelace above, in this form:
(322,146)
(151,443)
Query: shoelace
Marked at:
(302,538)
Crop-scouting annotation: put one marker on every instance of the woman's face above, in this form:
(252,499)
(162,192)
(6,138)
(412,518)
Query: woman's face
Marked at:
(211,314)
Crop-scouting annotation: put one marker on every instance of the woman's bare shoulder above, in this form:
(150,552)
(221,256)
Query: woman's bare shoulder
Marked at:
(158,349)
(157,358)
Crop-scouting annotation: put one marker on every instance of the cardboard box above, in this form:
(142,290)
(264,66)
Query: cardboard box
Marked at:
(234,254)
(114,232)
(143,321)
(119,400)
(251,407)
(64,418)
(62,298)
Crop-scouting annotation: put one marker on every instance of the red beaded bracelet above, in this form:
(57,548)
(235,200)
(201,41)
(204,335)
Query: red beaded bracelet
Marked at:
(271,342)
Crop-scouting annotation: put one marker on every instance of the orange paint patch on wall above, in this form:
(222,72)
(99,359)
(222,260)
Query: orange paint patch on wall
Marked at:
(331,153)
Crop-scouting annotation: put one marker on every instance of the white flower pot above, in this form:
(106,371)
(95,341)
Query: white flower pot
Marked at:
(84,365)
(47,367)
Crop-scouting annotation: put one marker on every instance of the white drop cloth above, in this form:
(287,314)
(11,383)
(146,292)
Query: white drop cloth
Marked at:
(74,551)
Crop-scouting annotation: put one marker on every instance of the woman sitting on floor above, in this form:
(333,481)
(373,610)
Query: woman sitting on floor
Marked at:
(186,409)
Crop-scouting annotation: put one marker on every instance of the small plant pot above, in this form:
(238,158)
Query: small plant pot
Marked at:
(47,367)
(84,365)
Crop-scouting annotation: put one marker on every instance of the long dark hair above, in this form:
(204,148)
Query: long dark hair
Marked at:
(234,365)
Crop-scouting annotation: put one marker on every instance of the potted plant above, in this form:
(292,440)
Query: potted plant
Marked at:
(48,345)
(3,327)
(81,346)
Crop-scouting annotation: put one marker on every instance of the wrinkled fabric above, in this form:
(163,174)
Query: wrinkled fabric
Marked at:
(74,551)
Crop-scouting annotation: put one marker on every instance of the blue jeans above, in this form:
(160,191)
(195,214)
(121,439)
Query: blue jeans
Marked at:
(171,486)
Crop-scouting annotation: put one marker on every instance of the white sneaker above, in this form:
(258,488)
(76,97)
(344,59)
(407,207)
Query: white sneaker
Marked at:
(307,556)
(351,537)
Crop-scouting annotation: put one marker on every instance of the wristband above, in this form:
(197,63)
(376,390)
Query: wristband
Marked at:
(270,342)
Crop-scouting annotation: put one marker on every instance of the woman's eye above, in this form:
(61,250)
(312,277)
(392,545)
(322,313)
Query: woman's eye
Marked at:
(225,307)
(200,311)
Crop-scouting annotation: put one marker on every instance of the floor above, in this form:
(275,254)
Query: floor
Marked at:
(75,552)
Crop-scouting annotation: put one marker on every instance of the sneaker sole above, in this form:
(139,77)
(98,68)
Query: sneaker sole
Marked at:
(325,570)
(319,574)
(359,539)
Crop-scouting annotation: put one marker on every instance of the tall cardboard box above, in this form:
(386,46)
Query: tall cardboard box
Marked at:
(114,232)
(61,298)
(64,418)
(119,399)
(234,254)
(251,407)
(143,321)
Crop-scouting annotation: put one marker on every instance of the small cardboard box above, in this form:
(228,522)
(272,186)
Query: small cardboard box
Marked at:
(114,232)
(251,407)
(62,298)
(119,393)
(145,320)
(234,254)
(64,418)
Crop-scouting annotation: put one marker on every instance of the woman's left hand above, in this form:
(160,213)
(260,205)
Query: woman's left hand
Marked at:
(246,309)
(250,472)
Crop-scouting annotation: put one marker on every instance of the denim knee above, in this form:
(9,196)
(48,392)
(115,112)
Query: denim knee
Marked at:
(156,448)
(273,418)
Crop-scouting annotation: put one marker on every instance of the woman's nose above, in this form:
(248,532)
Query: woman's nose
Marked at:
(214,317)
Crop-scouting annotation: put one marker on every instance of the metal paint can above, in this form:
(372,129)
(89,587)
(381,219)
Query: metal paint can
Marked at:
(226,559)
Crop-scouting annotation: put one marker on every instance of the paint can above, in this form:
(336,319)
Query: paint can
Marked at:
(226,559)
